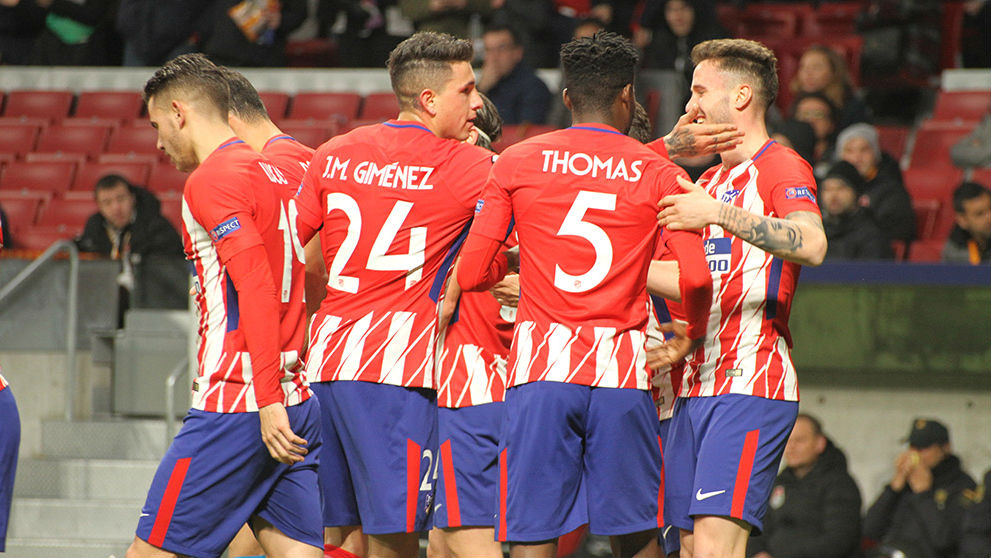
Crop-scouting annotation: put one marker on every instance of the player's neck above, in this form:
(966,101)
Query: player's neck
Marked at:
(210,135)
(755,137)
(580,118)
(256,135)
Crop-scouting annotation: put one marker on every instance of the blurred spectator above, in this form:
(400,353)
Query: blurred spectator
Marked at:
(558,115)
(815,506)
(969,239)
(975,34)
(519,95)
(885,197)
(851,232)
(129,221)
(818,111)
(20,23)
(250,32)
(973,150)
(920,511)
(77,33)
(796,135)
(669,30)
(532,20)
(155,31)
(821,70)
(365,33)
(977,529)
(444,16)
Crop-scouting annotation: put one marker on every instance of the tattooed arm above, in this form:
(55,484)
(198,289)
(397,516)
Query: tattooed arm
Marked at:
(798,238)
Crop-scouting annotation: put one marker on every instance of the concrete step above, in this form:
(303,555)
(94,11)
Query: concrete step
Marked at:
(49,548)
(93,479)
(73,520)
(111,439)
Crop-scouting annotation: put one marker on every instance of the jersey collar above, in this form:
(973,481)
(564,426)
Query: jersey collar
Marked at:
(763,149)
(596,127)
(229,142)
(407,124)
(277,138)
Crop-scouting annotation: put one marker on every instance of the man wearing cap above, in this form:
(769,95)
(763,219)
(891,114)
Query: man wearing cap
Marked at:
(920,511)
(885,196)
(851,232)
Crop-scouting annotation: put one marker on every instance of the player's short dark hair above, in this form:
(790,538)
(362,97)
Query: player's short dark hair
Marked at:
(111,181)
(488,120)
(597,68)
(191,76)
(245,102)
(752,61)
(640,125)
(424,62)
(965,192)
(813,421)
(501,27)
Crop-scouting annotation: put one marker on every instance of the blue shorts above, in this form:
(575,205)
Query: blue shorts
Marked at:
(572,454)
(217,474)
(10,439)
(466,482)
(722,455)
(668,536)
(379,455)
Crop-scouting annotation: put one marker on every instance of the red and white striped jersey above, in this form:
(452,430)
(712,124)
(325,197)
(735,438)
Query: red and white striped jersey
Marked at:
(3,382)
(232,202)
(392,202)
(584,204)
(471,366)
(747,348)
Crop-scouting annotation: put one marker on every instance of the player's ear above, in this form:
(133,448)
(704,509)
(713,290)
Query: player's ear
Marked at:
(565,99)
(178,112)
(428,102)
(745,94)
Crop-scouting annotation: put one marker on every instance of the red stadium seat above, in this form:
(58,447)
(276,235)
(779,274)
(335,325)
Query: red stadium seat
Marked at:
(927,213)
(21,211)
(932,183)
(275,103)
(57,157)
(311,136)
(932,147)
(88,174)
(109,104)
(43,104)
(982,176)
(926,250)
(18,139)
(40,123)
(150,159)
(758,19)
(379,106)
(71,213)
(962,106)
(2,97)
(892,139)
(325,106)
(41,237)
(74,139)
(109,123)
(48,176)
(129,139)
(832,19)
(166,178)
(172,209)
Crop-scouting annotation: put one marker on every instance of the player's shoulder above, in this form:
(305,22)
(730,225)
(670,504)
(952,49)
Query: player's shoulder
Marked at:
(781,162)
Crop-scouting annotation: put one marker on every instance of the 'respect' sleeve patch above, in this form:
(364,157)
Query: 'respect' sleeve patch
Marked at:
(799,192)
(225,228)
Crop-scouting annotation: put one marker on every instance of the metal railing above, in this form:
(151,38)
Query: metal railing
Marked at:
(170,399)
(72,310)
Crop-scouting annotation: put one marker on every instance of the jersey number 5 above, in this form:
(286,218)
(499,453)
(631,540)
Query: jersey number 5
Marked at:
(411,262)
(573,225)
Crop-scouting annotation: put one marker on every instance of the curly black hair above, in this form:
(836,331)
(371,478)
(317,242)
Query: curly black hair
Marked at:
(597,68)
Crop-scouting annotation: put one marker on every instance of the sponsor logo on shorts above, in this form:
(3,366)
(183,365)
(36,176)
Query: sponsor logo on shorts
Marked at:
(798,192)
(700,495)
(225,228)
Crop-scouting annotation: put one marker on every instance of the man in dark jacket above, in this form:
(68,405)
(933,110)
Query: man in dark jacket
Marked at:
(851,232)
(815,506)
(920,512)
(518,93)
(129,221)
(969,239)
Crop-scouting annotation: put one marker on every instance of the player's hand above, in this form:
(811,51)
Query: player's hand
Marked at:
(903,465)
(689,139)
(672,350)
(513,259)
(689,211)
(507,291)
(284,445)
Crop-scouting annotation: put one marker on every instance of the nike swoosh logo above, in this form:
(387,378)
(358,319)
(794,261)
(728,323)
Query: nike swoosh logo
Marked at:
(437,507)
(665,532)
(144,515)
(700,495)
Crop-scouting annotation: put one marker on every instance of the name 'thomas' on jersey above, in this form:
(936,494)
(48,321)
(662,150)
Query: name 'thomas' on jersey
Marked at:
(584,203)
(231,202)
(390,201)
(747,349)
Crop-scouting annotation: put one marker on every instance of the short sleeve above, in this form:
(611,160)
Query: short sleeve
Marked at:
(473,165)
(225,208)
(493,212)
(793,189)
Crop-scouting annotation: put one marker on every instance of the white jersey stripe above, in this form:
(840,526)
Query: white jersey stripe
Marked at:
(351,357)
(395,350)
(606,356)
